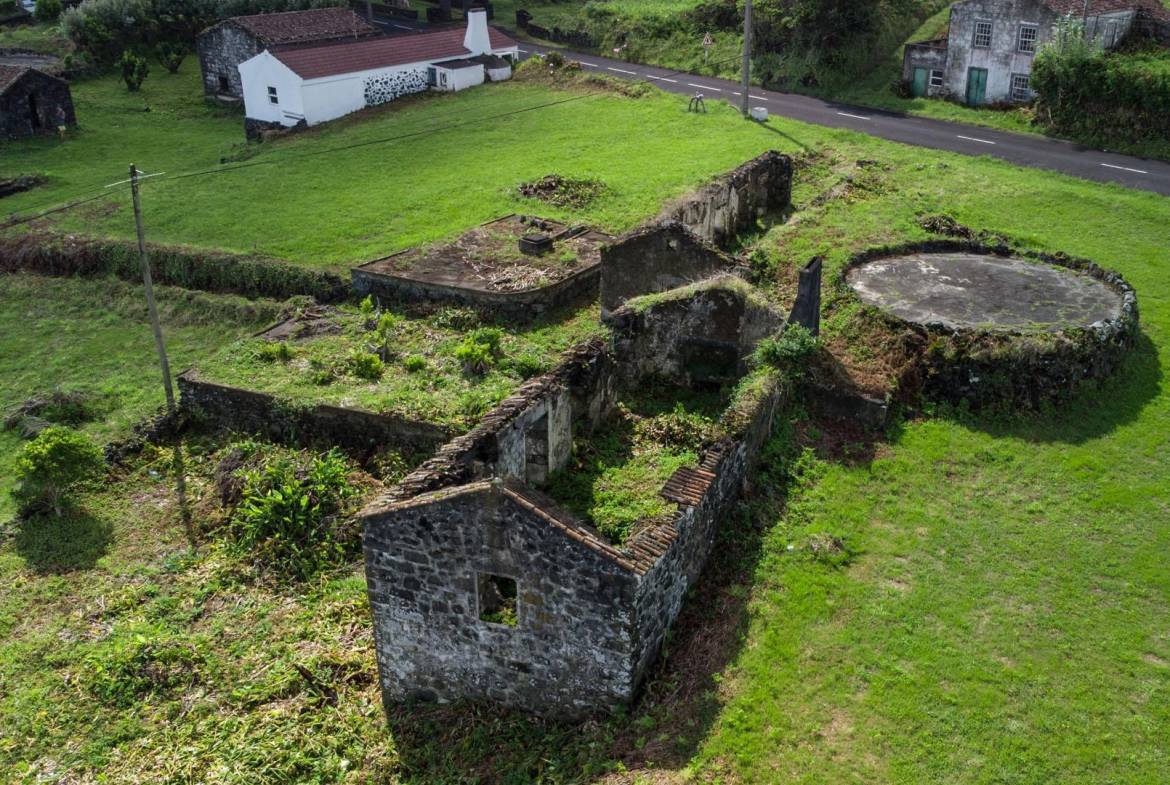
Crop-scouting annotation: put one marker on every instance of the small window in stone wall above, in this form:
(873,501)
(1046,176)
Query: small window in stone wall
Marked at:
(936,78)
(1028,34)
(497,599)
(272,99)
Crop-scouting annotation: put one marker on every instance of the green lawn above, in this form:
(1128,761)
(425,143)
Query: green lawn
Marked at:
(973,600)
(94,336)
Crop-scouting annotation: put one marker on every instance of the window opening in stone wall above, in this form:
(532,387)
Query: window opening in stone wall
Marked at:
(983,35)
(1028,35)
(497,599)
(936,78)
(224,84)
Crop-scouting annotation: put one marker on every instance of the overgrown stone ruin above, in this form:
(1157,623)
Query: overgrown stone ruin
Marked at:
(471,525)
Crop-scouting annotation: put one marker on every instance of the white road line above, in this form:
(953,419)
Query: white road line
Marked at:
(973,139)
(403,27)
(662,79)
(589,65)
(758,97)
(706,87)
(621,70)
(854,116)
(1126,169)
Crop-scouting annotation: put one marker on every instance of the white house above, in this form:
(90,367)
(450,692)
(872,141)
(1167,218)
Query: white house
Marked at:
(289,86)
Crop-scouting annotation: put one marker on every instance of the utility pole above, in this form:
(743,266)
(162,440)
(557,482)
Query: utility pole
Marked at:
(747,52)
(150,306)
(177,456)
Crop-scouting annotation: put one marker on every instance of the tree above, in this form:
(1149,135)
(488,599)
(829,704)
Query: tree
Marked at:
(134,70)
(170,55)
(54,465)
(47,10)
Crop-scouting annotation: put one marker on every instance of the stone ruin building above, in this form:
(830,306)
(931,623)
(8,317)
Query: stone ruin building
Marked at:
(470,531)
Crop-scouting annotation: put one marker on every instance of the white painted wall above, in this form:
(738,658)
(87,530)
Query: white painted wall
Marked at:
(264,71)
(476,38)
(460,78)
(500,74)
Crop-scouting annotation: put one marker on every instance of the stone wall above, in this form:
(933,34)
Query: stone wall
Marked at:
(656,258)
(30,105)
(578,288)
(1013,371)
(247,411)
(736,201)
(698,334)
(221,50)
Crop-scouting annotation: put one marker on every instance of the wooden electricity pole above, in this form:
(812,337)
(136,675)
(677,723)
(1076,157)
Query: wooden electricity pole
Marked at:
(747,52)
(150,306)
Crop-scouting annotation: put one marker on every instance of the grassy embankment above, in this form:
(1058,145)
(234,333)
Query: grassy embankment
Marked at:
(973,600)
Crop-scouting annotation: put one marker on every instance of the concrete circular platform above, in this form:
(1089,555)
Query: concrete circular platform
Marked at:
(984,292)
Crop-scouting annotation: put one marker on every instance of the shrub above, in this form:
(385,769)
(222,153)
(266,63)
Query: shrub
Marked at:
(788,351)
(476,358)
(275,352)
(47,10)
(491,337)
(54,465)
(415,363)
(287,515)
(170,55)
(366,366)
(456,318)
(135,69)
(367,305)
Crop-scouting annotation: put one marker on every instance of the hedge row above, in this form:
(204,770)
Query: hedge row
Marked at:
(190,269)
(1096,95)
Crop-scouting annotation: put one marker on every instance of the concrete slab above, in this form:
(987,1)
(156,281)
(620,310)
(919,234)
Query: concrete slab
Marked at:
(987,292)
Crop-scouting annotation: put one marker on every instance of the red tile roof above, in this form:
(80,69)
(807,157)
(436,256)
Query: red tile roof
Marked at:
(317,24)
(1076,8)
(347,57)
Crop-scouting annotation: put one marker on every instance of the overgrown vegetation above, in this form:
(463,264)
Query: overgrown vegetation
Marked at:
(1103,97)
(409,363)
(53,467)
(615,473)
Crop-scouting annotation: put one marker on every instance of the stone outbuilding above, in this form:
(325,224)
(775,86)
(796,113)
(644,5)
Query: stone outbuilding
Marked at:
(986,56)
(33,102)
(224,46)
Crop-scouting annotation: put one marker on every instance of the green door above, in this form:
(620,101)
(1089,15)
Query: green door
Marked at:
(918,87)
(976,86)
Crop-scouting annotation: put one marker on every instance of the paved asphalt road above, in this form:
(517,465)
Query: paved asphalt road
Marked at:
(1035,151)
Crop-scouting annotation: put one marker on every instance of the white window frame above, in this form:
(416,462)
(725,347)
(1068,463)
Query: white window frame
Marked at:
(1027,46)
(980,23)
(1020,94)
(936,77)
(272,96)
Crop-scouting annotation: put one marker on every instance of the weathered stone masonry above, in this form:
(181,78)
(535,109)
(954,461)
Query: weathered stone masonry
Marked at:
(590,616)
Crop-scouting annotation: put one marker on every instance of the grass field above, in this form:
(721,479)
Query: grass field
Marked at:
(970,600)
(93,336)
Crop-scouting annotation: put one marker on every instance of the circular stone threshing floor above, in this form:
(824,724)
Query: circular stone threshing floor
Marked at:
(983,291)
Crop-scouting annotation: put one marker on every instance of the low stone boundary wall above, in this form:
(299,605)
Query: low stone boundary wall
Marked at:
(1013,370)
(206,270)
(733,202)
(579,288)
(248,411)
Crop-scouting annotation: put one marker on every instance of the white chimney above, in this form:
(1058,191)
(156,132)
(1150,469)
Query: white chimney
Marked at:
(476,38)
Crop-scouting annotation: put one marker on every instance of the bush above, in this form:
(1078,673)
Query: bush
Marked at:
(789,351)
(54,465)
(476,358)
(135,69)
(170,55)
(367,305)
(47,10)
(287,515)
(366,366)
(415,363)
(275,352)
